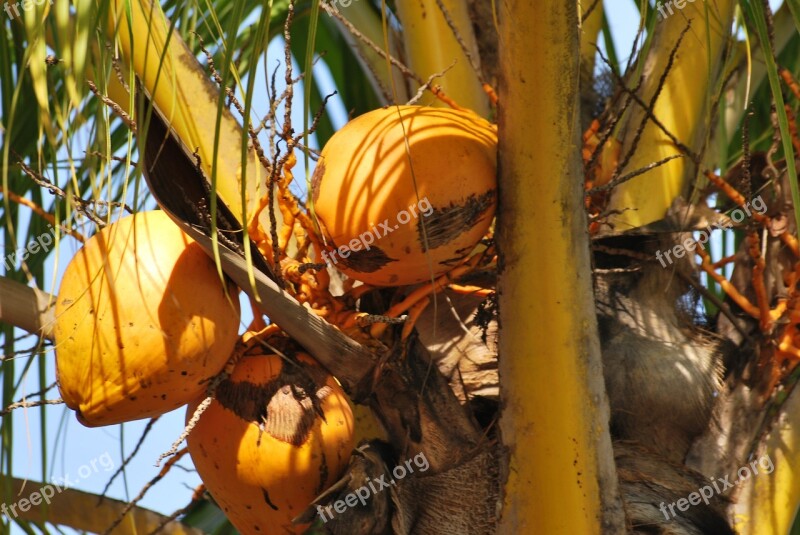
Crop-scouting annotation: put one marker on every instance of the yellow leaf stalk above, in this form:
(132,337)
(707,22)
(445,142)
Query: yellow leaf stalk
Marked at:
(769,499)
(683,107)
(554,424)
(68,508)
(431,48)
(188,100)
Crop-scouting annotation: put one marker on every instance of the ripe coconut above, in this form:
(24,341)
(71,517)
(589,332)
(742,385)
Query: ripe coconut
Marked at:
(403,193)
(276,435)
(142,322)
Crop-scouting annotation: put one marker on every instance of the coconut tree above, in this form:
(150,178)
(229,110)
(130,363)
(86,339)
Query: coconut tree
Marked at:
(614,352)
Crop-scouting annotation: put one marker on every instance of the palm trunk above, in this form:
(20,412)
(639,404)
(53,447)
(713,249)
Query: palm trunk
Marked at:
(560,473)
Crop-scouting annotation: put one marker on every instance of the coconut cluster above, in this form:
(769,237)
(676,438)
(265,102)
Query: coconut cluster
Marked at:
(145,323)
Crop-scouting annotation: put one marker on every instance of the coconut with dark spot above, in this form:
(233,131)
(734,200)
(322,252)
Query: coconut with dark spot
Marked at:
(142,322)
(275,437)
(403,193)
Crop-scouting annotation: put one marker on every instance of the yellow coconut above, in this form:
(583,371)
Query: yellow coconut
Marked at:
(403,193)
(263,449)
(142,322)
